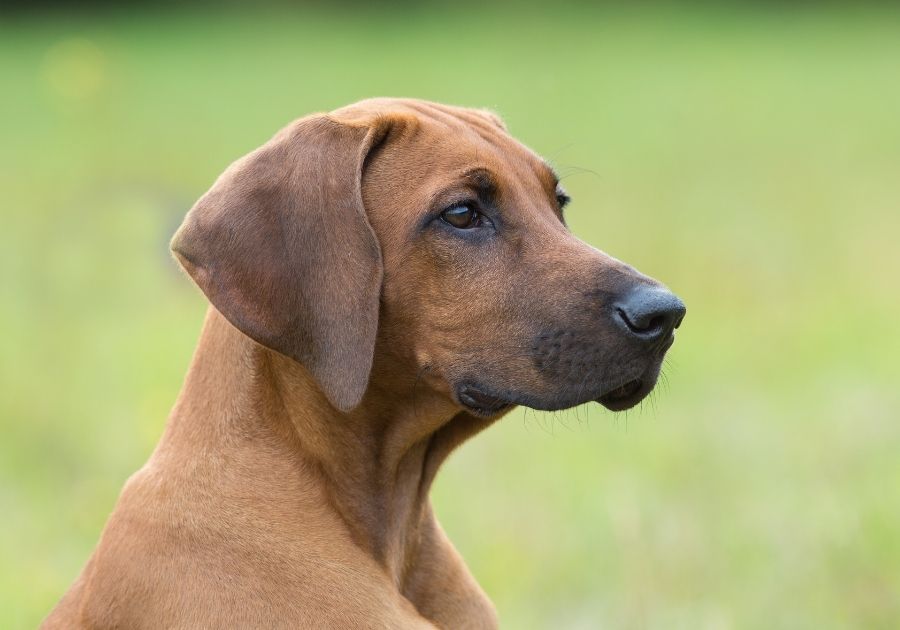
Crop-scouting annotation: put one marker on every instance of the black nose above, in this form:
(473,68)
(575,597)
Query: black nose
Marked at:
(650,312)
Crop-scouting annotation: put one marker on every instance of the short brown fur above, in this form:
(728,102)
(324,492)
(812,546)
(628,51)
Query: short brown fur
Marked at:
(290,488)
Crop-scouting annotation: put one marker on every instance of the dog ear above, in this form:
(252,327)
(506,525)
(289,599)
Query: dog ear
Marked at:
(282,247)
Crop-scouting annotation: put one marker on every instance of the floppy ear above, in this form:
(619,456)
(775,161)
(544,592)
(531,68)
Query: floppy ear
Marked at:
(282,248)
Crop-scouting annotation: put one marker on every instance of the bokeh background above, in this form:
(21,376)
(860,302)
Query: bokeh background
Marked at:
(748,156)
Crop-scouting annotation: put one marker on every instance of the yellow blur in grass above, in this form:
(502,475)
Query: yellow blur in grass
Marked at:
(748,158)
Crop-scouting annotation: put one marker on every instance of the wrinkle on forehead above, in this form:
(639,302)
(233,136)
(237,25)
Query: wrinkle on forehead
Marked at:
(482,123)
(473,117)
(477,137)
(466,123)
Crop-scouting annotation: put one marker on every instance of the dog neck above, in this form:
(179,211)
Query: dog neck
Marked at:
(375,463)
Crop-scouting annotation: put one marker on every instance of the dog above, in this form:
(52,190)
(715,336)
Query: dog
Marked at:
(386,280)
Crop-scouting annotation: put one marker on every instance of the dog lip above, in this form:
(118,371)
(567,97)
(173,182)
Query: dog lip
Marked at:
(480,402)
(625,396)
(667,343)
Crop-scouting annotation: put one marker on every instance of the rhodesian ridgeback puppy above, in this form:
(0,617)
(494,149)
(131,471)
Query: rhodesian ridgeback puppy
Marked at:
(385,281)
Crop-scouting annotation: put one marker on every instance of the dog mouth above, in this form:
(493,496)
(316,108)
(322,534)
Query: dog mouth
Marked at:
(620,398)
(481,403)
(624,396)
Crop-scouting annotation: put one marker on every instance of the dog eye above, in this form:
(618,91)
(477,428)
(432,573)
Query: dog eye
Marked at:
(462,217)
(562,198)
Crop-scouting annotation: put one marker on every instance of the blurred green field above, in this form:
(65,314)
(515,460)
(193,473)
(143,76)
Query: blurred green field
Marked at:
(750,158)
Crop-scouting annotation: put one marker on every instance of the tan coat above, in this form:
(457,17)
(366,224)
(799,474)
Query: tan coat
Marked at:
(385,281)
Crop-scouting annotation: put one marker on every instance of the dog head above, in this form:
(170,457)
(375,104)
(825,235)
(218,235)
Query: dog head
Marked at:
(426,232)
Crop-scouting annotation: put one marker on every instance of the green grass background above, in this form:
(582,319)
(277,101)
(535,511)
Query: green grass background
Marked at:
(750,158)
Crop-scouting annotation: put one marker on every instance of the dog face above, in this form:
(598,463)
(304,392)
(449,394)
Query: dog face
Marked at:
(497,301)
(427,233)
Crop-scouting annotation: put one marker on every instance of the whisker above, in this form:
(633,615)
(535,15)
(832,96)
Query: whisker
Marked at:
(578,170)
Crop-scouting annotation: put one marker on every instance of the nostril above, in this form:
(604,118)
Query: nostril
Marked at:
(650,312)
(657,322)
(642,325)
(624,317)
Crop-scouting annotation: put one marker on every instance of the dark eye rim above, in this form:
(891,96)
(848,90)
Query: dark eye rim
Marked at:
(562,198)
(477,215)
